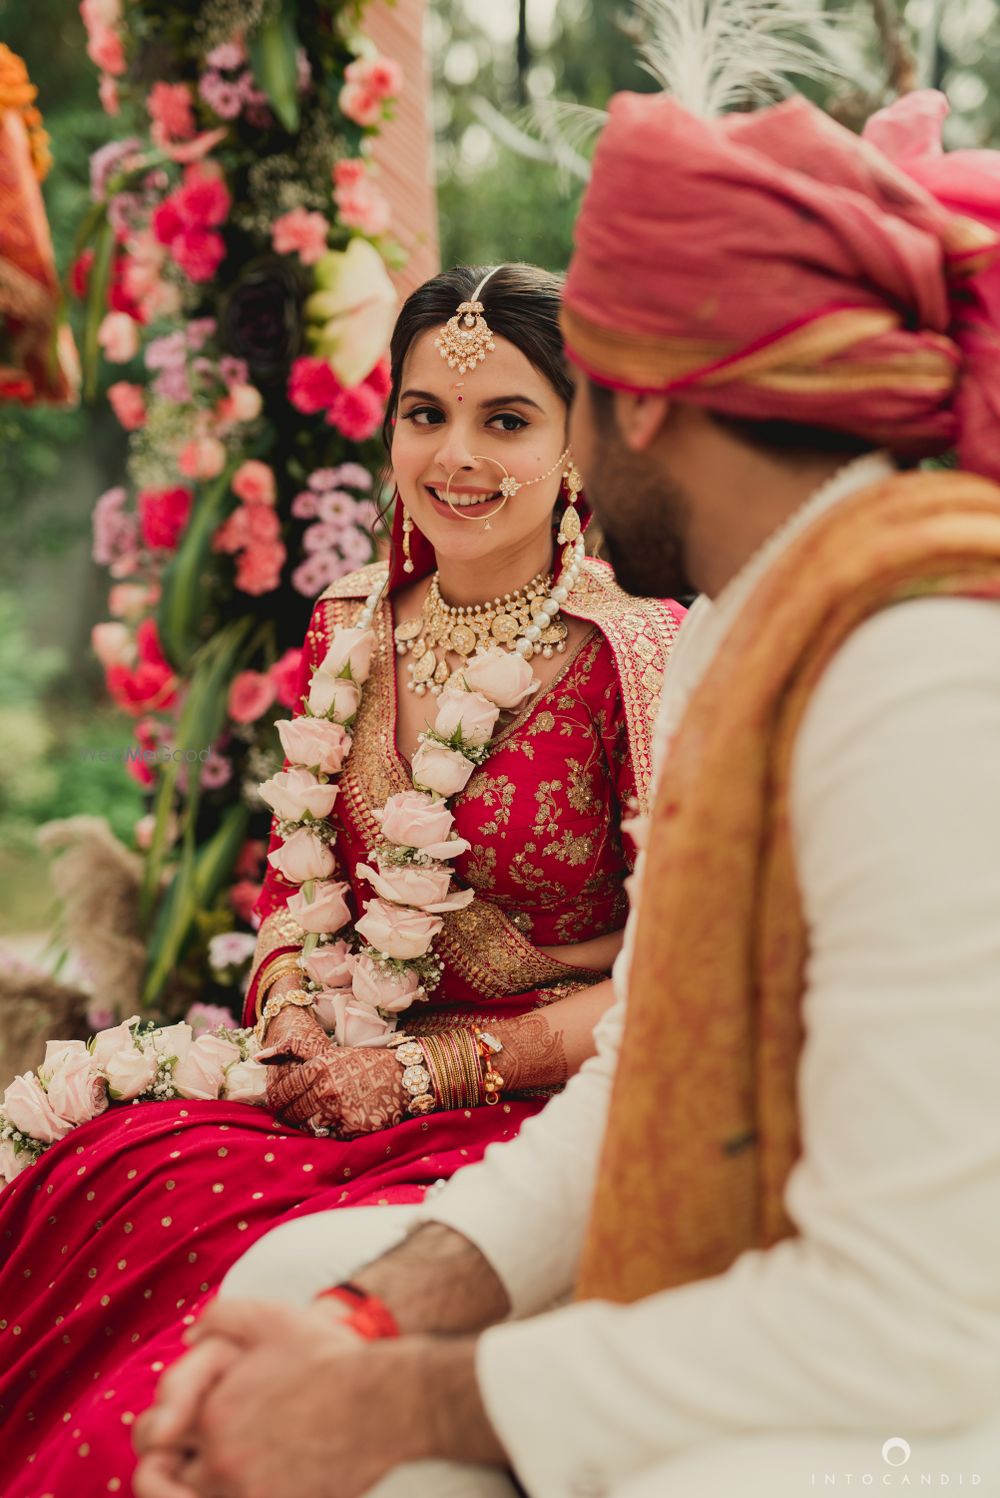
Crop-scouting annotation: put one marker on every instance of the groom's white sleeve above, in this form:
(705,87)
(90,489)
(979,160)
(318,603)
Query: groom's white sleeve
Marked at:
(883,1314)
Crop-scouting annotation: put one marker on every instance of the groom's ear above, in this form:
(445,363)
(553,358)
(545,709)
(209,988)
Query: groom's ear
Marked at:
(640,418)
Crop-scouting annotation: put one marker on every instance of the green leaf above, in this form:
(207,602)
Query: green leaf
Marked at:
(97,305)
(182,600)
(275,68)
(196,884)
(202,719)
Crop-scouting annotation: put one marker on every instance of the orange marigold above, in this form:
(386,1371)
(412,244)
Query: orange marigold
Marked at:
(18,92)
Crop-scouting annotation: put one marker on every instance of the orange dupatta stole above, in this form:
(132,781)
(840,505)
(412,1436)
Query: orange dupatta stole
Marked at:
(703,1127)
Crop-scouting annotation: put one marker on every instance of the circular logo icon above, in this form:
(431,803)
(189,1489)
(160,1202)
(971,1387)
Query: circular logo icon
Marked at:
(896,1452)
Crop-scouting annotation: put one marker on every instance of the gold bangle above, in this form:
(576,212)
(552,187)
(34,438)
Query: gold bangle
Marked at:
(281,967)
(296,997)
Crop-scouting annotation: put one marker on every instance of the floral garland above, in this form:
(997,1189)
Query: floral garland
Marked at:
(134,1062)
(361,986)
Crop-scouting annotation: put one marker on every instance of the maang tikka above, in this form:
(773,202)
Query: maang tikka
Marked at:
(466,338)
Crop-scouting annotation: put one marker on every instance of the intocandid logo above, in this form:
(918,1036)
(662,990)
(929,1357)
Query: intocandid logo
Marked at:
(896,1454)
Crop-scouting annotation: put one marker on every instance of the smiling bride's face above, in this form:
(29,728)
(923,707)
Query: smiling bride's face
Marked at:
(453,425)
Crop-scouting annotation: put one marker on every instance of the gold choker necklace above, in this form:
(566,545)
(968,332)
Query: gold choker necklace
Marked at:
(442,627)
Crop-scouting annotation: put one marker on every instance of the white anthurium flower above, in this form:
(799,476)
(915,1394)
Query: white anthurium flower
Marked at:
(356,304)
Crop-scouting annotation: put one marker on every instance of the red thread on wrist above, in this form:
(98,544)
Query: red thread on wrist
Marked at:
(370,1317)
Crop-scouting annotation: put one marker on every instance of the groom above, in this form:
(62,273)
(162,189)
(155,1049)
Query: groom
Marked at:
(776,1188)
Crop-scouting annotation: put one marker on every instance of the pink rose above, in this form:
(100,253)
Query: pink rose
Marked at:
(425,887)
(382,75)
(327,911)
(414,820)
(243,403)
(109,1042)
(200,1074)
(130,1073)
(443,771)
(130,600)
(245,1082)
(333,697)
(360,104)
(30,1111)
(254,482)
(350,651)
(129,404)
(301,857)
(331,965)
(363,206)
(295,795)
(112,644)
(314,743)
(501,675)
(250,695)
(202,458)
(469,714)
(385,988)
(74,1087)
(118,336)
(173,1040)
(397,931)
(300,233)
(352,1023)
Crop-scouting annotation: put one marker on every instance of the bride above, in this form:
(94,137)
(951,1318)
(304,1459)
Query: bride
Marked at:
(116,1237)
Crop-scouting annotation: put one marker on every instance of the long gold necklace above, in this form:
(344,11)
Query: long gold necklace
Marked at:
(442,628)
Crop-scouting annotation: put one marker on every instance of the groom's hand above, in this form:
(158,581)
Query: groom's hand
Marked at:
(308,1411)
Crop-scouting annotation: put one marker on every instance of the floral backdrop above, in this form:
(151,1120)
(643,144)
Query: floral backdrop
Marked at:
(233,270)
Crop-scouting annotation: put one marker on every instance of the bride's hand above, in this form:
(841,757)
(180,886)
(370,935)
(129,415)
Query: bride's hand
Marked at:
(347,1092)
(295,1034)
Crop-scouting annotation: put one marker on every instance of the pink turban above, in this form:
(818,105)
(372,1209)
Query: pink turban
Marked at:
(775,266)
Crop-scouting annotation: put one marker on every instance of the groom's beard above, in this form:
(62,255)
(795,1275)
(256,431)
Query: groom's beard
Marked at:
(643,517)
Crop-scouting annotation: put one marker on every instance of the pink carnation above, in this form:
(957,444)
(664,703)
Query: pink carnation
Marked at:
(199,253)
(318,572)
(204,198)
(228,56)
(363,207)
(116,534)
(313,386)
(250,695)
(300,233)
(285,675)
(216,771)
(304,506)
(258,569)
(129,404)
(105,50)
(169,106)
(254,482)
(356,413)
(163,514)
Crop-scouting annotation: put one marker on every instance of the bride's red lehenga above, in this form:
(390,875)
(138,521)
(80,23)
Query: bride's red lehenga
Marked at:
(112,1242)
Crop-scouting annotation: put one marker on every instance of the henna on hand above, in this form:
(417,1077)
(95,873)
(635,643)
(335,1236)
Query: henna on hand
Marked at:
(349,1091)
(296,1034)
(533,1055)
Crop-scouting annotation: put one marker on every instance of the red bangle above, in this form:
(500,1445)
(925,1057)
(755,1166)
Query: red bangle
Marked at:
(370,1317)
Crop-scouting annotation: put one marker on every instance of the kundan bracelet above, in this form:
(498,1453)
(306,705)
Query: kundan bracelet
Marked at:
(370,1317)
(417,1082)
(295,996)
